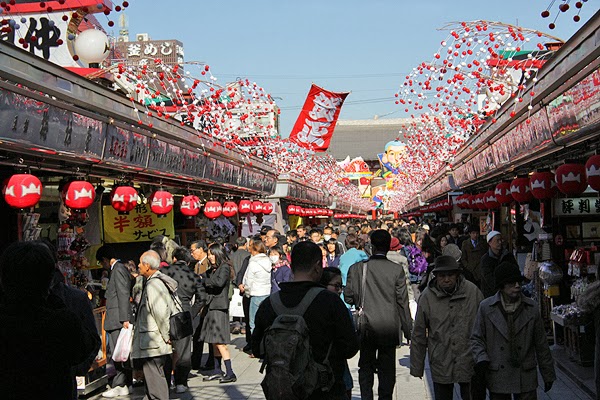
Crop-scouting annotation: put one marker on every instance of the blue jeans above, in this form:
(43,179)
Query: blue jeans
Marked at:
(254,303)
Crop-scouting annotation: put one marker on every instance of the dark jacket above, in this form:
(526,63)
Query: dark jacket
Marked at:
(487,266)
(216,284)
(118,291)
(239,278)
(237,259)
(188,285)
(327,319)
(386,299)
(281,274)
(471,257)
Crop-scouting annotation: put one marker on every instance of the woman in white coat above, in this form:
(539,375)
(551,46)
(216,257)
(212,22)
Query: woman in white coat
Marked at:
(257,280)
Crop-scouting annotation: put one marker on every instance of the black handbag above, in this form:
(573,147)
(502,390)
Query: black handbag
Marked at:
(180,325)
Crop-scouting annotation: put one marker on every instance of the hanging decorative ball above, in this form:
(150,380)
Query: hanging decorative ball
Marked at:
(479,201)
(291,210)
(79,195)
(542,185)
(213,209)
(256,207)
(124,198)
(267,208)
(244,206)
(161,202)
(229,209)
(570,178)
(503,193)
(592,172)
(190,205)
(490,200)
(520,190)
(22,191)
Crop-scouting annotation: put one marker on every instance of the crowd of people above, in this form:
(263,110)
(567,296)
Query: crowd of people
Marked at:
(355,287)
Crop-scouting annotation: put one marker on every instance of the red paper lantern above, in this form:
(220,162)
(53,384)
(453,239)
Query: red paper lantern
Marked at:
(542,185)
(229,209)
(124,198)
(592,171)
(213,209)
(291,210)
(161,202)
(490,200)
(301,211)
(330,213)
(190,205)
(22,191)
(503,194)
(256,207)
(268,208)
(478,202)
(570,178)
(244,206)
(79,195)
(520,191)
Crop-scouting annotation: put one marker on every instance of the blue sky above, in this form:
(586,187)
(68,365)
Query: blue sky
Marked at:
(364,47)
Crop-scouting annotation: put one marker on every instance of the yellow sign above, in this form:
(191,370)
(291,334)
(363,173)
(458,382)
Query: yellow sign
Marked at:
(140,225)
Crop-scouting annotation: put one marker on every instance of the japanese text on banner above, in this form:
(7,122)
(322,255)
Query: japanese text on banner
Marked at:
(140,225)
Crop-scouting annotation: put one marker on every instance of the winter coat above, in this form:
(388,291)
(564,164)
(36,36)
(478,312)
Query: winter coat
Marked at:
(399,258)
(216,284)
(118,291)
(151,327)
(257,281)
(490,342)
(471,256)
(348,259)
(487,266)
(280,273)
(589,301)
(189,285)
(443,327)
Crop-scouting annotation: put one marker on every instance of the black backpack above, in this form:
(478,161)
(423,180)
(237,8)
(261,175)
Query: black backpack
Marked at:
(292,372)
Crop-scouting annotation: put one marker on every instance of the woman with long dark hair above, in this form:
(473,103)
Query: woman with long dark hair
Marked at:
(215,329)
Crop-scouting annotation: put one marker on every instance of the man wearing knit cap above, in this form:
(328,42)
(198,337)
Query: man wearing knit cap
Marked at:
(509,340)
(496,254)
(445,317)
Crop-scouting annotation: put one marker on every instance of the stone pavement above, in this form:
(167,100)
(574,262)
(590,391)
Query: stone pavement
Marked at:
(407,387)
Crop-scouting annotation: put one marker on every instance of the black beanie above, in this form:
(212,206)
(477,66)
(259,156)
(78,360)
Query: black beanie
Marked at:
(507,272)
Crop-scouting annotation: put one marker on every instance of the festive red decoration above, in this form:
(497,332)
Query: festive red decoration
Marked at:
(229,209)
(124,198)
(79,195)
(478,202)
(244,206)
(570,178)
(503,193)
(490,200)
(213,209)
(256,207)
(291,210)
(592,171)
(22,191)
(542,185)
(190,205)
(161,202)
(520,191)
(268,208)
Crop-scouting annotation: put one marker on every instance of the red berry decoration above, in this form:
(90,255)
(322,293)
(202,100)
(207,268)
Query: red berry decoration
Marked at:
(576,18)
(563,7)
(545,14)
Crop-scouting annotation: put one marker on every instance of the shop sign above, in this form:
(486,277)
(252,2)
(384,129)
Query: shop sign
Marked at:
(242,176)
(174,160)
(140,225)
(126,148)
(36,125)
(577,206)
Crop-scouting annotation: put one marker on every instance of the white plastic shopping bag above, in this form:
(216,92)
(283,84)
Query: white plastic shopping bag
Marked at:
(123,346)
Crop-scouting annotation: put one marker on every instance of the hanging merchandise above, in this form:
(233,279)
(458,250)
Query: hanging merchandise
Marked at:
(22,191)
(503,194)
(542,185)
(245,206)
(213,209)
(267,208)
(520,190)
(256,207)
(229,209)
(592,171)
(190,205)
(79,195)
(570,178)
(161,202)
(124,198)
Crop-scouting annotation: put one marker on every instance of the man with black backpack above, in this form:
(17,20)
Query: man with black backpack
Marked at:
(316,321)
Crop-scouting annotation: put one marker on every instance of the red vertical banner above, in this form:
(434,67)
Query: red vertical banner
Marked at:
(315,124)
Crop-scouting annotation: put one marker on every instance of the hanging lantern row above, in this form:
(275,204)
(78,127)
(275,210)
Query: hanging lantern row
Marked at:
(442,205)
(309,212)
(349,216)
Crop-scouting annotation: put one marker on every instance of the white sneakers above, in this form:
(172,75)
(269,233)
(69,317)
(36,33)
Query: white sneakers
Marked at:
(116,392)
(181,389)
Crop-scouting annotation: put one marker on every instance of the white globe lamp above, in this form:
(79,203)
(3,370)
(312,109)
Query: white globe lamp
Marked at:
(92,47)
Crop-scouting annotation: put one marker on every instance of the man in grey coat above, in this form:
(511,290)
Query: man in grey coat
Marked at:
(445,316)
(386,309)
(118,313)
(509,340)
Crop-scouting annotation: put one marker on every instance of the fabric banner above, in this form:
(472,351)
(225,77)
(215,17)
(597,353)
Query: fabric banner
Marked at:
(140,225)
(316,122)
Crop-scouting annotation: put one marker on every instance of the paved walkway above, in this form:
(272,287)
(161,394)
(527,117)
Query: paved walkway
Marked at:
(407,387)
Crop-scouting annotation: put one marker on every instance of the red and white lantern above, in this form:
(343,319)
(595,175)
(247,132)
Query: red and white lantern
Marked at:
(161,202)
(542,185)
(291,210)
(79,195)
(520,190)
(22,191)
(229,209)
(124,198)
(503,193)
(479,202)
(570,178)
(256,207)
(268,208)
(490,200)
(244,206)
(213,209)
(190,205)
(592,171)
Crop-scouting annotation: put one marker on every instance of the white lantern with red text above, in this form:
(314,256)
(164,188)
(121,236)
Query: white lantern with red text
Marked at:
(213,209)
(161,202)
(79,195)
(190,205)
(542,185)
(229,209)
(592,171)
(124,198)
(22,191)
(268,208)
(570,178)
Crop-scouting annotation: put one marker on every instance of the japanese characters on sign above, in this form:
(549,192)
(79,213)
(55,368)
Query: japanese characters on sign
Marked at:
(126,148)
(577,206)
(145,52)
(140,225)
